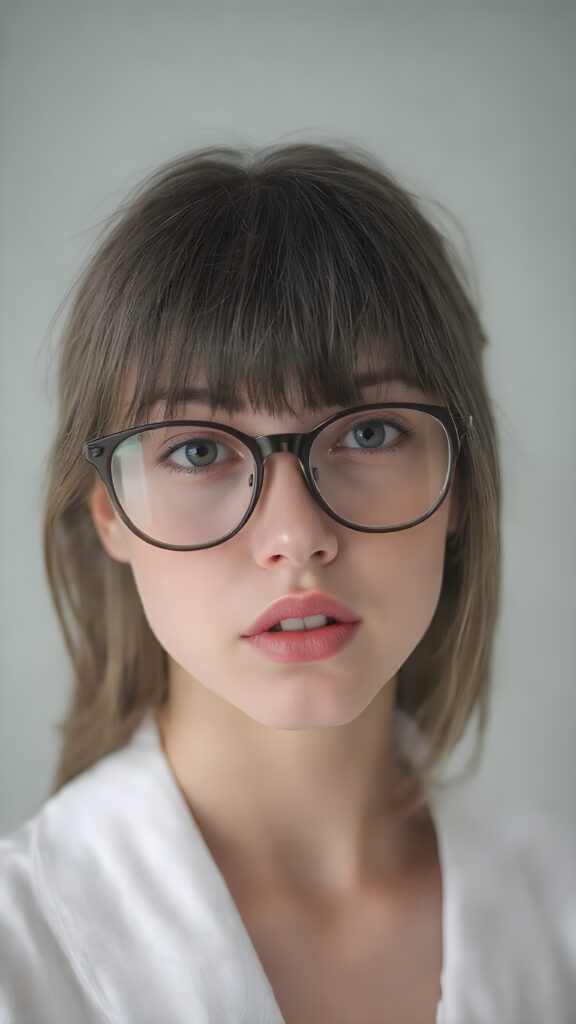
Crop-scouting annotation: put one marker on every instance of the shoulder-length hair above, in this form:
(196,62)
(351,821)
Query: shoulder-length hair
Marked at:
(269,271)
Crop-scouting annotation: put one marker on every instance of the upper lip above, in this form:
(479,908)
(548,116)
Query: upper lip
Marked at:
(299,607)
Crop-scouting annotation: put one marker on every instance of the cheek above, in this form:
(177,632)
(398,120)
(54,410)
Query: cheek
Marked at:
(404,572)
(182,597)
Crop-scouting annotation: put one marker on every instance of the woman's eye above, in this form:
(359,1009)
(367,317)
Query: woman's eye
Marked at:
(371,434)
(198,453)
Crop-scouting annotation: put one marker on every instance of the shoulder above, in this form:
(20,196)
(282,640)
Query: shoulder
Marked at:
(103,891)
(538,857)
(509,876)
(518,839)
(32,954)
(498,851)
(53,871)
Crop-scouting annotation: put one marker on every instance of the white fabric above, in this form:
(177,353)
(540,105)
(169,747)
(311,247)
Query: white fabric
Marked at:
(113,910)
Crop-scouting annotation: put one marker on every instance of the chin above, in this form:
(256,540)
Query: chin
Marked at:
(306,703)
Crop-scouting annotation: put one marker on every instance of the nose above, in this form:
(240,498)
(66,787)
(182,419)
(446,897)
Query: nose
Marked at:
(288,524)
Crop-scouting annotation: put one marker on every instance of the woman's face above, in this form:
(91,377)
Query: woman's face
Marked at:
(202,604)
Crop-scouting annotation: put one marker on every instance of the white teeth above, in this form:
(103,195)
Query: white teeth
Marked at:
(315,621)
(291,625)
(310,622)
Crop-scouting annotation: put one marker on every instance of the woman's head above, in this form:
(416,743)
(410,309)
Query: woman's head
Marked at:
(274,280)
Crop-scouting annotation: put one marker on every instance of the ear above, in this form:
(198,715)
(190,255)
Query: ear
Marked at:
(109,526)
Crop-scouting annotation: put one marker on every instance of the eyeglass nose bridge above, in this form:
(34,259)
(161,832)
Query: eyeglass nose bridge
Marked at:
(295,444)
(269,444)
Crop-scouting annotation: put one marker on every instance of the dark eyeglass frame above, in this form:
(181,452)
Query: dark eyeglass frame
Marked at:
(99,452)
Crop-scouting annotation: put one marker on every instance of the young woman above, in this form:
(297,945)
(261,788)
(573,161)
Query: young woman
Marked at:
(272,540)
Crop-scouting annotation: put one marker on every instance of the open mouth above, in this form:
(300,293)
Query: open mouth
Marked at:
(302,625)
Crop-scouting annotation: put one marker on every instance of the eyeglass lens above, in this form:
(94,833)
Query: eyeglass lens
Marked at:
(190,486)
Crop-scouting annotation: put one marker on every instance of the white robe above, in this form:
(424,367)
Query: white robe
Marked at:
(113,910)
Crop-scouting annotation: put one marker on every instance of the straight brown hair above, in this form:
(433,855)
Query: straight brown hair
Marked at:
(268,271)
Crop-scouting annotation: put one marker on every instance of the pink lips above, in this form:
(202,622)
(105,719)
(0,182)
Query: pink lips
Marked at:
(305,645)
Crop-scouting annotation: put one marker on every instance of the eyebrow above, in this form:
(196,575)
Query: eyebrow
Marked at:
(192,395)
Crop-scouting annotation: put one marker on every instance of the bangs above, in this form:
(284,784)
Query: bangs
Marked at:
(268,285)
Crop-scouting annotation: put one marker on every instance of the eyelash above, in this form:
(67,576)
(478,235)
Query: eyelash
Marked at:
(405,432)
(162,460)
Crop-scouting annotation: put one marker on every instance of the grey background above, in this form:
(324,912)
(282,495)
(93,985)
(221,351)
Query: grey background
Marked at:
(472,105)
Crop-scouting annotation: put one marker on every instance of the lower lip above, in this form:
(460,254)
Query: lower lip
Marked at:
(309,645)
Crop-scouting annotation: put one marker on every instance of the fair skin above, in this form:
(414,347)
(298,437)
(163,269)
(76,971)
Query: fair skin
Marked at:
(288,768)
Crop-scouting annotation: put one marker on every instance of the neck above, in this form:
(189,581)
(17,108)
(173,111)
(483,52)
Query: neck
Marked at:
(301,808)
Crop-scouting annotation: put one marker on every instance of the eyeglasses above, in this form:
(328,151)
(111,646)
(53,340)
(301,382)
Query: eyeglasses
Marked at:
(191,484)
